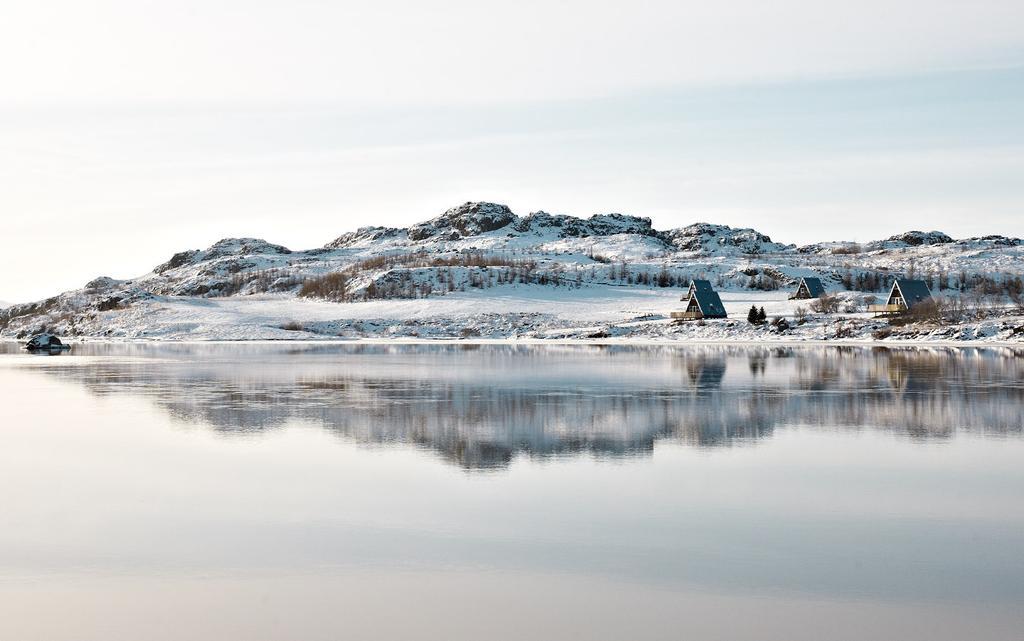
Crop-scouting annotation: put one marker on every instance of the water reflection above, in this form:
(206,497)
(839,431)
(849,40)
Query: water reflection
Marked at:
(481,406)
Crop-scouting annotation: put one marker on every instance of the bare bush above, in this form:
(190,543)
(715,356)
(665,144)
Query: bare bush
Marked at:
(422,259)
(332,286)
(882,333)
(825,304)
(929,311)
(1017,298)
(843,329)
(953,309)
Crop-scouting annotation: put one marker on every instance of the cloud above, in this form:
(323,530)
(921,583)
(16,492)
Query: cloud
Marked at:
(473,51)
(136,129)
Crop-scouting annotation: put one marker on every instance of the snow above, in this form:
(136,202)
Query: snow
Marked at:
(510,313)
(558,277)
(262,317)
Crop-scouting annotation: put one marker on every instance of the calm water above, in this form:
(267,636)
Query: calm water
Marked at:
(258,492)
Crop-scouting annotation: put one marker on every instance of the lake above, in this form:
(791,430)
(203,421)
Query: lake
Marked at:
(316,491)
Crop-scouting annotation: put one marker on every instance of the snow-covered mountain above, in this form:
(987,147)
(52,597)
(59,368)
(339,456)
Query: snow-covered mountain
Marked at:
(511,273)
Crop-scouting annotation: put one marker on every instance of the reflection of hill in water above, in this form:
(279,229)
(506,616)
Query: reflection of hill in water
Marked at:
(479,407)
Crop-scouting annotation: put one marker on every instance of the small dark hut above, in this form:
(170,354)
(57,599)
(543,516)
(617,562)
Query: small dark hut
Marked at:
(905,295)
(809,287)
(702,302)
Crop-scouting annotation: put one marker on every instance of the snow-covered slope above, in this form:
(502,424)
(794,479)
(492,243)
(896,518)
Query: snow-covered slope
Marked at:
(479,269)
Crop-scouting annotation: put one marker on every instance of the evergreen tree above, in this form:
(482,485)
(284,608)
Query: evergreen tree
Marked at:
(761,316)
(752,315)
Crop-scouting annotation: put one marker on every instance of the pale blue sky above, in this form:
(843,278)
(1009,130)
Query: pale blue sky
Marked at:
(138,129)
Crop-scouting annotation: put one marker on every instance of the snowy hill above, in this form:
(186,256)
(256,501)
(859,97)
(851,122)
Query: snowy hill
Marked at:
(480,270)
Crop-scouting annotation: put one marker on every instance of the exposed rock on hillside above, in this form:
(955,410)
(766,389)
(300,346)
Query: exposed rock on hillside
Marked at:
(709,238)
(992,240)
(220,249)
(102,284)
(542,223)
(911,239)
(469,219)
(363,237)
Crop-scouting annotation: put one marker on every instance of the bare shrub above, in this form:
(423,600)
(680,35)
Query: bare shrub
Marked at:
(293,326)
(1017,298)
(954,309)
(882,333)
(825,304)
(843,329)
(422,259)
(333,286)
(929,311)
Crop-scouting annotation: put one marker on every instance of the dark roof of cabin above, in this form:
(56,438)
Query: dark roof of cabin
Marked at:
(914,291)
(707,298)
(814,286)
(701,285)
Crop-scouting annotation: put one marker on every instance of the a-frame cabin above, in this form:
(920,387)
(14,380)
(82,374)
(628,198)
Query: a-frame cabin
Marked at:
(809,287)
(703,302)
(904,295)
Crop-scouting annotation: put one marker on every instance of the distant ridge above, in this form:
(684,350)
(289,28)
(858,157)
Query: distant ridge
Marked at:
(485,247)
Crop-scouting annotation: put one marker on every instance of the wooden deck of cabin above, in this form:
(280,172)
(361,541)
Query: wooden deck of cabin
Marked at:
(696,315)
(886,310)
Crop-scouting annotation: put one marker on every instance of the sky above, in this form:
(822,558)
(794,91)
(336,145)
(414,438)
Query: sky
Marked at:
(132,130)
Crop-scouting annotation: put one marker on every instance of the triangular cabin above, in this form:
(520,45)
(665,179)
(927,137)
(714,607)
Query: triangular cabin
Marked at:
(809,287)
(703,302)
(903,297)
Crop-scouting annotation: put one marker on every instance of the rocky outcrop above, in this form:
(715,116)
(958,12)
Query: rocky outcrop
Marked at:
(542,223)
(220,249)
(102,284)
(469,219)
(180,259)
(911,239)
(708,238)
(363,236)
(990,241)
